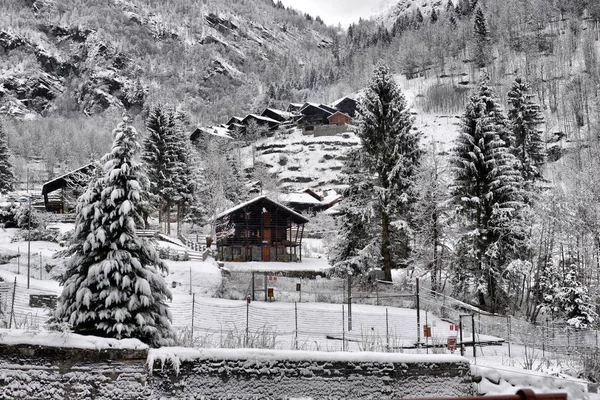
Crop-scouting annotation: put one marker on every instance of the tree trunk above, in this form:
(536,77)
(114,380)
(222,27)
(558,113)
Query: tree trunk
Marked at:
(436,266)
(168,217)
(160,211)
(385,246)
(178,217)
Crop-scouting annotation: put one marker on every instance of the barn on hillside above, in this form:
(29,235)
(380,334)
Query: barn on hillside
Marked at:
(339,118)
(347,105)
(314,115)
(260,230)
(61,193)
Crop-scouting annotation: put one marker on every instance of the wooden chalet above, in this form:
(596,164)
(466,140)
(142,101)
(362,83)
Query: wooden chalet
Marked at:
(339,119)
(61,193)
(266,122)
(234,120)
(279,115)
(210,131)
(302,202)
(295,107)
(260,230)
(346,105)
(314,114)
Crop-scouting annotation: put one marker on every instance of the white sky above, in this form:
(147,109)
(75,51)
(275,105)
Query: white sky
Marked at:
(340,11)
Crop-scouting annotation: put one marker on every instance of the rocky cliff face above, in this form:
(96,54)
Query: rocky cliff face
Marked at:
(65,56)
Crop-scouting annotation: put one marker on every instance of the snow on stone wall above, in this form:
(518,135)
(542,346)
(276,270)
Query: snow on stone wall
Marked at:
(29,371)
(250,374)
(123,371)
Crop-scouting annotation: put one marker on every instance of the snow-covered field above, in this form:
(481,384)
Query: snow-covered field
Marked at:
(278,325)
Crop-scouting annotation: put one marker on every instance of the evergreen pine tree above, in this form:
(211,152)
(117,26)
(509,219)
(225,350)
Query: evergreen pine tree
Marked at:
(7,177)
(418,17)
(183,182)
(391,152)
(113,285)
(166,155)
(482,49)
(525,117)
(487,193)
(434,16)
(357,248)
(450,6)
(564,297)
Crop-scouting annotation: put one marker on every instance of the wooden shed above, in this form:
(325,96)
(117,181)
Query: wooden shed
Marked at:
(61,193)
(339,118)
(347,105)
(260,230)
(314,115)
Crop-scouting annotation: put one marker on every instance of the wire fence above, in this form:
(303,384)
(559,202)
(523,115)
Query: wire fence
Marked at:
(336,319)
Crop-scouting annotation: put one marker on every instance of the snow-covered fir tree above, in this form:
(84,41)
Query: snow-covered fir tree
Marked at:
(356,249)
(489,199)
(482,49)
(113,284)
(7,176)
(391,153)
(525,117)
(166,155)
(564,297)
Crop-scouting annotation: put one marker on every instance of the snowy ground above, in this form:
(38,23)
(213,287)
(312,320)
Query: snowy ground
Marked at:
(279,325)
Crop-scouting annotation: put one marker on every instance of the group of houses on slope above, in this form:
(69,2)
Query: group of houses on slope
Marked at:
(260,229)
(310,117)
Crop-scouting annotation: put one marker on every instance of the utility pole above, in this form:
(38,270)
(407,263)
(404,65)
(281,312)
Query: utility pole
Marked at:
(29,242)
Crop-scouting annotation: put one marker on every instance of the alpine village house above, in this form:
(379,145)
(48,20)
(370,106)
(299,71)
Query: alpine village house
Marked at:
(260,230)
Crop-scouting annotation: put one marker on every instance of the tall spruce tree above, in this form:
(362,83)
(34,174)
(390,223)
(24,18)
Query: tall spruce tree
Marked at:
(391,152)
(525,118)
(487,194)
(167,159)
(113,285)
(482,51)
(7,177)
(357,247)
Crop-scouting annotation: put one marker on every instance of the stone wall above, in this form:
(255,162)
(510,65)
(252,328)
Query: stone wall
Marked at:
(43,372)
(247,374)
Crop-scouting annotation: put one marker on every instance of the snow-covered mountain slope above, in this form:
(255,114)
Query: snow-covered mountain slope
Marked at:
(408,7)
(65,56)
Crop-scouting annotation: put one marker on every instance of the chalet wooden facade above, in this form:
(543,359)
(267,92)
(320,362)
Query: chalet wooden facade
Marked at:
(339,119)
(314,115)
(347,105)
(260,230)
(61,193)
(265,122)
(280,115)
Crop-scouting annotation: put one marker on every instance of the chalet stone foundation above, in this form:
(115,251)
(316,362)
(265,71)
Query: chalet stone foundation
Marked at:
(34,372)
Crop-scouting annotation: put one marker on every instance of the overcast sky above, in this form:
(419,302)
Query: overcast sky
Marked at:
(340,11)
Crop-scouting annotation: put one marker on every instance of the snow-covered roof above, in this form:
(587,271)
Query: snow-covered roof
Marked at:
(260,117)
(333,210)
(340,113)
(299,217)
(338,101)
(219,131)
(332,197)
(283,114)
(61,180)
(321,107)
(299,198)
